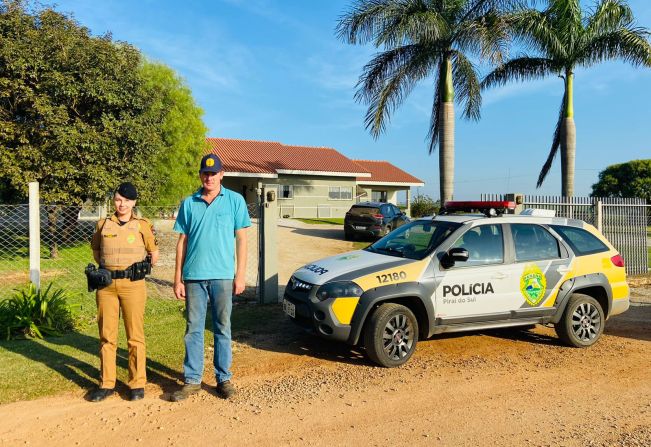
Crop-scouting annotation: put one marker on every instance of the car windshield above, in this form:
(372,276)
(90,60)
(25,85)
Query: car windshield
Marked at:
(364,210)
(414,240)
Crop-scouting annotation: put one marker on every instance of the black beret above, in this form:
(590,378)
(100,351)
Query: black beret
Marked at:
(127,190)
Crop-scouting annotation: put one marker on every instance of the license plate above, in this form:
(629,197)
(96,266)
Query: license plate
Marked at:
(357,227)
(289,308)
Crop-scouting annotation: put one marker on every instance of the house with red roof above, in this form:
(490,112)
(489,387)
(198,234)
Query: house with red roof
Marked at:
(310,182)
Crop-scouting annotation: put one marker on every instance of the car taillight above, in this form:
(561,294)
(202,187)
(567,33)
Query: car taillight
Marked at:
(378,216)
(617,260)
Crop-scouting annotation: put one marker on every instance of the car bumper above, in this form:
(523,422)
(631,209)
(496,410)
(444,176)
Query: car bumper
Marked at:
(620,306)
(373,230)
(317,317)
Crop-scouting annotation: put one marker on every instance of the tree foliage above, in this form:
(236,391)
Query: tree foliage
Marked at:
(560,38)
(423,205)
(79,113)
(425,39)
(182,130)
(630,179)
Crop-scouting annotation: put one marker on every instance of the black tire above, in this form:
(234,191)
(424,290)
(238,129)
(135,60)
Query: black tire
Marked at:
(387,230)
(582,322)
(348,236)
(390,335)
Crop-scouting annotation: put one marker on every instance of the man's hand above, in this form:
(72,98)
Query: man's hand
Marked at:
(238,284)
(179,290)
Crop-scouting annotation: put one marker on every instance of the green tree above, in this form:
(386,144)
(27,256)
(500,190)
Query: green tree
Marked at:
(182,130)
(421,39)
(74,111)
(564,37)
(630,179)
(423,205)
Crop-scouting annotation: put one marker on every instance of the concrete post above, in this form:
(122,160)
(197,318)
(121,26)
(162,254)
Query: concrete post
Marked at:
(269,249)
(599,218)
(518,198)
(408,210)
(34,235)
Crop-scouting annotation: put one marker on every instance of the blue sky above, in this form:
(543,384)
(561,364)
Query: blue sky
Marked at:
(273,70)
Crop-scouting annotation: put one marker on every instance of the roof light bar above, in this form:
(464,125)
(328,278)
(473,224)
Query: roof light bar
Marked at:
(488,207)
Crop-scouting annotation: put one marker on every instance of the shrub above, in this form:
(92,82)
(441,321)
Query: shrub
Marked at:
(32,313)
(423,205)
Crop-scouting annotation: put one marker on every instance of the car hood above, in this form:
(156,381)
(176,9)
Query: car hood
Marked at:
(327,269)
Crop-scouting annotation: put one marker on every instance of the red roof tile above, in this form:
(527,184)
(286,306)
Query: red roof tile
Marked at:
(385,172)
(268,157)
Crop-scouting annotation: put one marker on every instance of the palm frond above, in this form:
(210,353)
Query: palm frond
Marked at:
(388,78)
(466,86)
(629,44)
(520,69)
(434,132)
(609,16)
(363,22)
(416,25)
(556,144)
(486,35)
(536,31)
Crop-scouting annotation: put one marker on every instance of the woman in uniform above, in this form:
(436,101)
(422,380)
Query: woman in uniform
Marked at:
(119,242)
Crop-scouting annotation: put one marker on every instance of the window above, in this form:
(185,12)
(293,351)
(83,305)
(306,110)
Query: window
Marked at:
(582,242)
(533,243)
(387,211)
(414,240)
(285,191)
(340,193)
(485,245)
(379,196)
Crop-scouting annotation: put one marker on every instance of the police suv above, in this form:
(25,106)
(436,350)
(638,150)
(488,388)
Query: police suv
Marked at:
(459,272)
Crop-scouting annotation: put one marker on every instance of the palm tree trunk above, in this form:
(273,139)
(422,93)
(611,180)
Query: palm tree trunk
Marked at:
(568,139)
(446,146)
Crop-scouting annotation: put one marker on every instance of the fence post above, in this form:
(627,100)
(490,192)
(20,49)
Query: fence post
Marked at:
(599,218)
(268,249)
(34,236)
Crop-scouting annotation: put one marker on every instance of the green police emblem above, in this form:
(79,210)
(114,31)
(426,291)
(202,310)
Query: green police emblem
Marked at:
(348,257)
(533,284)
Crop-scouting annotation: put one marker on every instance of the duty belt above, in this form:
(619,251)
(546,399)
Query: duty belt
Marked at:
(120,274)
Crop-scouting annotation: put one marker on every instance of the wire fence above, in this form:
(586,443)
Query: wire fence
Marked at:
(65,249)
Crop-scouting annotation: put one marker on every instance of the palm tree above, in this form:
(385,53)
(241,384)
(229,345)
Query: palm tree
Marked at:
(421,39)
(564,37)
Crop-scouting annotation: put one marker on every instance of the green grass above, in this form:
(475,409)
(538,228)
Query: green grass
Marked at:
(324,221)
(38,368)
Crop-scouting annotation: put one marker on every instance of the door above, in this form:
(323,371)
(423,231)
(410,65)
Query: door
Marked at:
(485,287)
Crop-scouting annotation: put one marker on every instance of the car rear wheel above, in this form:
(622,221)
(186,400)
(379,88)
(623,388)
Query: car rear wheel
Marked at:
(391,335)
(582,322)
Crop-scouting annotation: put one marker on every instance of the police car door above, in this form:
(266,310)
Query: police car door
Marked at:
(541,262)
(482,288)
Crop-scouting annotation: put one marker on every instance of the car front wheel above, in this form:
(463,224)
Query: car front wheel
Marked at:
(582,322)
(391,335)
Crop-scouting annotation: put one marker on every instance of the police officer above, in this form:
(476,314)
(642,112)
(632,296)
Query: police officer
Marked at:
(118,243)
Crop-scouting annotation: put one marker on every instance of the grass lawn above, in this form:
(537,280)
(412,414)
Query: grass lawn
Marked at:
(323,221)
(37,368)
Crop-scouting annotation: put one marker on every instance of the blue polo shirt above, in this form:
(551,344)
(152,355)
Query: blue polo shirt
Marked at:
(210,229)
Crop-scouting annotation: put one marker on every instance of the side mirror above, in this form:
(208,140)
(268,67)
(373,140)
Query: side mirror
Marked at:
(453,255)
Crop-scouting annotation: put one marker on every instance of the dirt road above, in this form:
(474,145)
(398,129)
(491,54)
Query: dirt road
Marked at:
(507,388)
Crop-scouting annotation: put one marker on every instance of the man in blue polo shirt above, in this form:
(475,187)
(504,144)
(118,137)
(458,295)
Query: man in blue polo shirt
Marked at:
(212,225)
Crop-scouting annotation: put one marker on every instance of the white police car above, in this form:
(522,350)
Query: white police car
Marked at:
(454,272)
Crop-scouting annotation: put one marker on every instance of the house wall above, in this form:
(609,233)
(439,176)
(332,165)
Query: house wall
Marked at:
(243,185)
(311,195)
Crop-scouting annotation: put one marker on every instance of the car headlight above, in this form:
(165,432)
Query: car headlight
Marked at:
(338,290)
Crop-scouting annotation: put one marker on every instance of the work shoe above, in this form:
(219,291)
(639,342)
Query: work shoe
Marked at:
(100,394)
(186,391)
(137,394)
(225,390)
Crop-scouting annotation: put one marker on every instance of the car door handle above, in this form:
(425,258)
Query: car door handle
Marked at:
(563,269)
(499,276)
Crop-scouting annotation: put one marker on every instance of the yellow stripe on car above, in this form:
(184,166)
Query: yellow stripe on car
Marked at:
(411,272)
(344,308)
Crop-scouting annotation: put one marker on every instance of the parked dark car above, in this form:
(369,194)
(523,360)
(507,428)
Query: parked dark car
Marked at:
(372,219)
